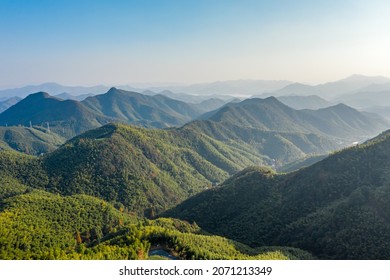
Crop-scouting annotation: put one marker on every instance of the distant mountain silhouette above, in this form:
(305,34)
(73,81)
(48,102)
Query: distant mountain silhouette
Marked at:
(332,89)
(8,102)
(52,89)
(284,134)
(67,117)
(313,102)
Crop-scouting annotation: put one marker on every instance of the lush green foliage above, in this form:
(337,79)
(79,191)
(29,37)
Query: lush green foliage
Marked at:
(32,141)
(39,225)
(301,163)
(145,170)
(336,209)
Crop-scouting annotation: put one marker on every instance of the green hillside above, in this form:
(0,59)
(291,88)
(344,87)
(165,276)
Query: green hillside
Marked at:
(39,225)
(336,208)
(144,169)
(269,114)
(33,141)
(301,163)
(278,148)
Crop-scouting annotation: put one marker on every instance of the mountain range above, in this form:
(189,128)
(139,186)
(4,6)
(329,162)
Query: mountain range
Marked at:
(273,130)
(92,179)
(332,90)
(132,107)
(335,209)
(65,117)
(231,88)
(283,134)
(70,117)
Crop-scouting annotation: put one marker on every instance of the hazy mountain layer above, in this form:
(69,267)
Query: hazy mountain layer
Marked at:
(135,108)
(65,117)
(312,102)
(5,104)
(332,89)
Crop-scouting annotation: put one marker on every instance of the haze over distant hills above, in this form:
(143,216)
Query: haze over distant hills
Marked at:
(52,89)
(297,102)
(122,157)
(331,90)
(8,102)
(244,88)
(267,126)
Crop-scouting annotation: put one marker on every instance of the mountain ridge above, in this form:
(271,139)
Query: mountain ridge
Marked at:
(336,208)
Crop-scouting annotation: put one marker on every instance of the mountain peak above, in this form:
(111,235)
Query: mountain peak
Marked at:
(269,100)
(40,95)
(112,90)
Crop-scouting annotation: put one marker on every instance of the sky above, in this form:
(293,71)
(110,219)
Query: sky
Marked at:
(193,41)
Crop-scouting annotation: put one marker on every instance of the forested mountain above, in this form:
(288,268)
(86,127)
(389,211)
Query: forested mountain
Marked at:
(265,128)
(39,225)
(345,122)
(271,115)
(283,134)
(65,117)
(146,170)
(29,140)
(336,208)
(135,108)
(124,173)
(36,224)
(69,118)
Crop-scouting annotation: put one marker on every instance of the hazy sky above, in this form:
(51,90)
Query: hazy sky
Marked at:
(124,42)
